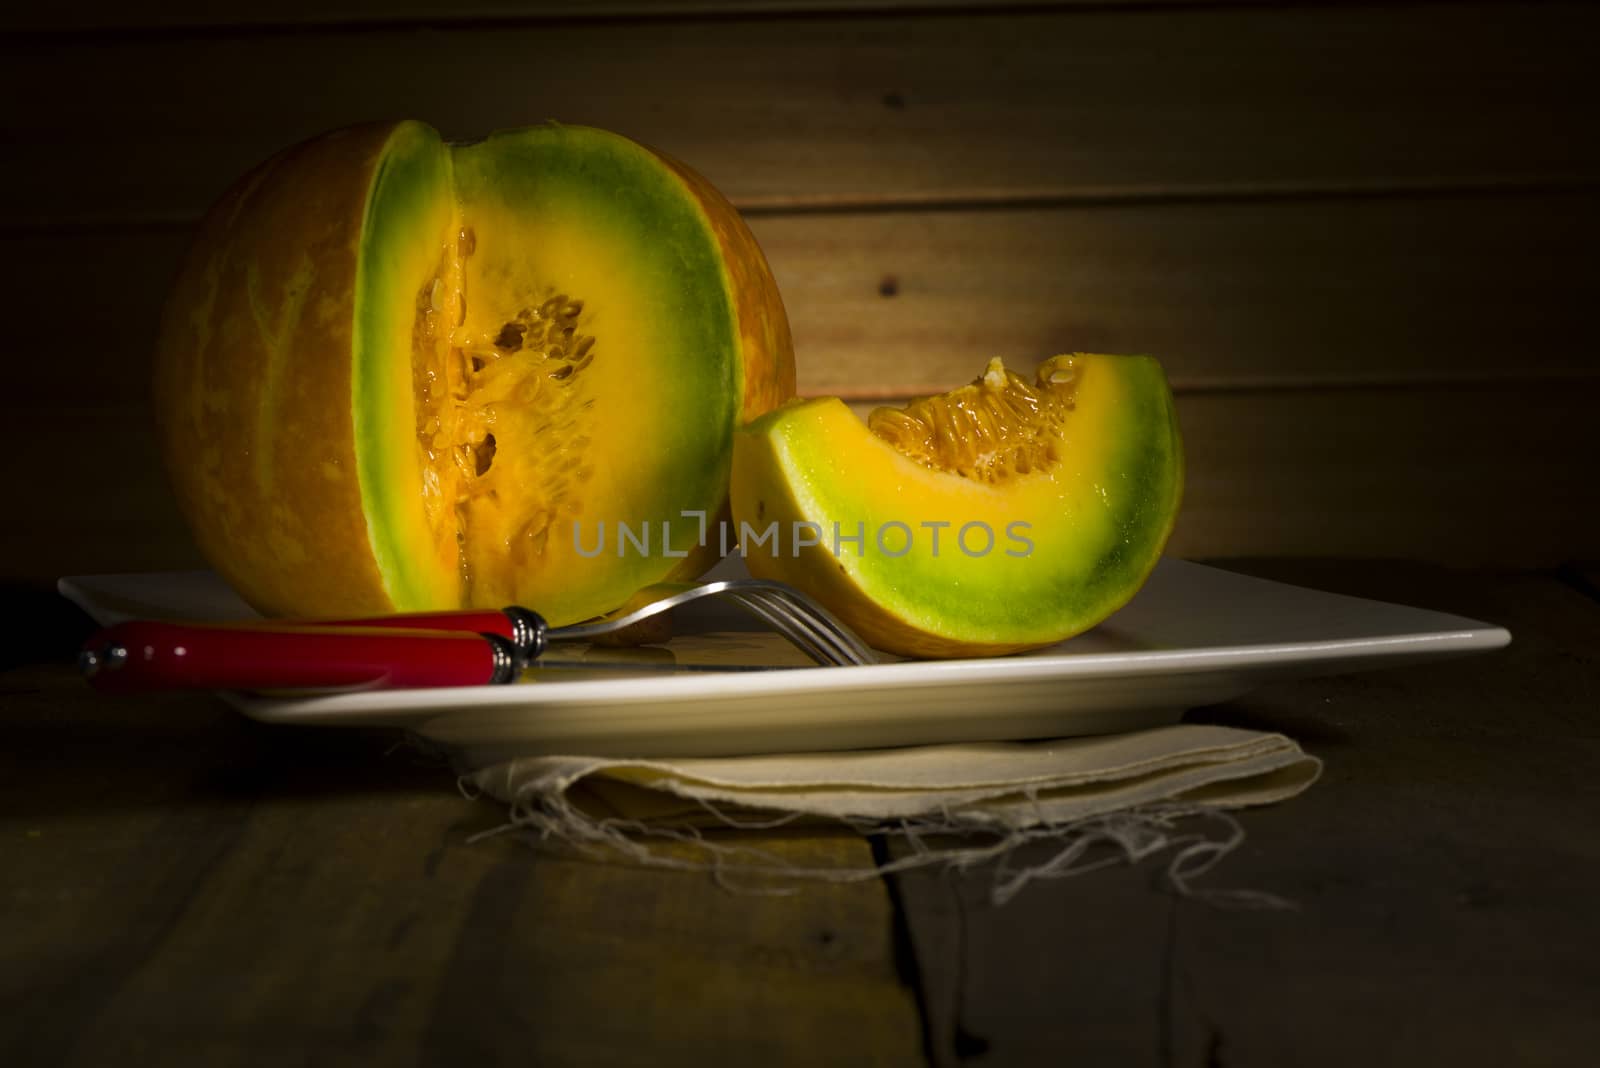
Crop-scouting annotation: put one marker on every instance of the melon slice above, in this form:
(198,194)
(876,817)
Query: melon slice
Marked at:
(1003,516)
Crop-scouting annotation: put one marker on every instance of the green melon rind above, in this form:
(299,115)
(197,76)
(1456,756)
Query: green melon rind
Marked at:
(1082,567)
(407,210)
(1150,464)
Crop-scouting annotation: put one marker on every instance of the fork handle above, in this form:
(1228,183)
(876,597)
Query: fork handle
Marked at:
(146,656)
(524,628)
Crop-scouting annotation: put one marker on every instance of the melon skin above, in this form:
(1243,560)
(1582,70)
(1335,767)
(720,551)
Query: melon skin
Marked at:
(253,387)
(1096,523)
(285,409)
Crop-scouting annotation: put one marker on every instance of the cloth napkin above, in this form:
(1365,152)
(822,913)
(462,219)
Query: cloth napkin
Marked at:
(1129,790)
(1009,784)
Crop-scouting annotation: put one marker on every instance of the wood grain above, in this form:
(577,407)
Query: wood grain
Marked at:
(190,15)
(1359,238)
(1052,104)
(1399,291)
(1470,475)
(1386,291)
(1442,900)
(183,885)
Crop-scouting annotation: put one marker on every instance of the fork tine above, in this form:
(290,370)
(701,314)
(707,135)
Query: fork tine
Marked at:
(798,616)
(792,614)
(854,649)
(817,621)
(785,625)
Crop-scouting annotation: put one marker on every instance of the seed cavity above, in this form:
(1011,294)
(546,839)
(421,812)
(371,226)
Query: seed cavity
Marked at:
(996,428)
(483,455)
(503,421)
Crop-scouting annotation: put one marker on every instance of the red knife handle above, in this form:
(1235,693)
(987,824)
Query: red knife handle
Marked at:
(139,657)
(523,628)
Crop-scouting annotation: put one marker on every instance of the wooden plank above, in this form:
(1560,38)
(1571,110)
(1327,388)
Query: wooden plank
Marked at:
(190,15)
(1401,291)
(1462,475)
(1390,291)
(829,111)
(237,894)
(1444,904)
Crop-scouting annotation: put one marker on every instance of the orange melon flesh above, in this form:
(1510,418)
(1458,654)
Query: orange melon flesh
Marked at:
(1001,518)
(529,338)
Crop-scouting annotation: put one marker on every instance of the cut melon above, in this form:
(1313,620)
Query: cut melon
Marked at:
(1003,516)
(397,374)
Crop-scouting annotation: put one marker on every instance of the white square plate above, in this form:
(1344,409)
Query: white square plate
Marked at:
(1194,635)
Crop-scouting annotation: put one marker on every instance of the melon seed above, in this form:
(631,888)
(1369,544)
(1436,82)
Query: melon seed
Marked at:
(509,338)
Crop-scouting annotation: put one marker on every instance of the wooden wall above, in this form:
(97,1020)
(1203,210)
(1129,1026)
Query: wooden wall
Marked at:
(1361,237)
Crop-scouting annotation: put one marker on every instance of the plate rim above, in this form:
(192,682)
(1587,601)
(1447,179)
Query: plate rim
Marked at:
(823,680)
(1456,635)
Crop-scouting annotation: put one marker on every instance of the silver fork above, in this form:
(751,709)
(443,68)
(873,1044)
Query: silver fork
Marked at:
(805,623)
(360,654)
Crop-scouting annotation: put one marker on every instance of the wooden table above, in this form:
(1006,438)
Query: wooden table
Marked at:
(182,885)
